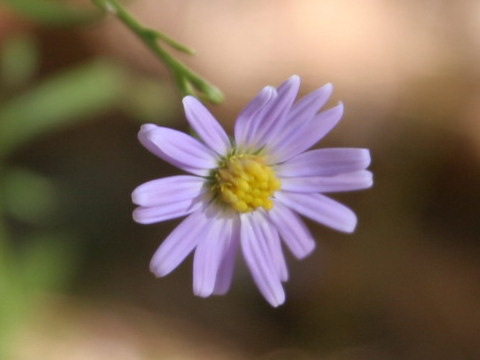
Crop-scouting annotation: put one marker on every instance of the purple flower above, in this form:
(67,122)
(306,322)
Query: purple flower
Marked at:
(246,193)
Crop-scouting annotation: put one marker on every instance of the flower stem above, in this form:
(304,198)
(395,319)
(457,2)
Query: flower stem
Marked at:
(186,79)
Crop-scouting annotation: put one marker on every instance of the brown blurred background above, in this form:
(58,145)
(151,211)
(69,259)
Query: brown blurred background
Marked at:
(405,285)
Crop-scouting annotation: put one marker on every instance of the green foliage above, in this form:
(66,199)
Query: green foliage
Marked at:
(69,96)
(18,61)
(27,196)
(47,262)
(44,264)
(53,13)
(151,100)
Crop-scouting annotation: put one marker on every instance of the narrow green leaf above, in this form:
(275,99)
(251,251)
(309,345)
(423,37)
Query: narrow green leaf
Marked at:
(70,96)
(50,12)
(18,61)
(174,44)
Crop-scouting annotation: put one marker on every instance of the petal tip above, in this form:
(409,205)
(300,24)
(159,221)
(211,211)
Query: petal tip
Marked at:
(367,158)
(155,268)
(145,129)
(189,100)
(328,87)
(158,272)
(147,126)
(293,82)
(369,181)
(307,250)
(139,219)
(269,92)
(138,195)
(188,97)
(337,111)
(351,225)
(135,197)
(294,78)
(278,300)
(158,267)
(203,293)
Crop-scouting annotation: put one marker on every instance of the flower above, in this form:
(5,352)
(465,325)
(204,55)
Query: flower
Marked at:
(246,194)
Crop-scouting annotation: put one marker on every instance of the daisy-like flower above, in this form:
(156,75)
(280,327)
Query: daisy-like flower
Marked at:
(246,193)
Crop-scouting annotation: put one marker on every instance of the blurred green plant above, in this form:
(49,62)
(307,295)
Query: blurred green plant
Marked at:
(32,261)
(69,96)
(19,61)
(45,263)
(27,196)
(44,260)
(56,13)
(151,100)
(52,13)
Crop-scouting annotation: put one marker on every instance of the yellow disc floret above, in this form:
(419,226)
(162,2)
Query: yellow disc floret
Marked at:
(245,183)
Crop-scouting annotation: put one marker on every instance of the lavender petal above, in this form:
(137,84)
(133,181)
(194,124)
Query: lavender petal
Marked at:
(260,262)
(275,117)
(179,149)
(209,255)
(206,126)
(301,112)
(293,230)
(320,209)
(154,214)
(168,190)
(325,162)
(247,122)
(303,137)
(343,182)
(274,245)
(225,272)
(181,241)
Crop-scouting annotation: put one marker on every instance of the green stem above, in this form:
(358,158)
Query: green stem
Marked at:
(187,80)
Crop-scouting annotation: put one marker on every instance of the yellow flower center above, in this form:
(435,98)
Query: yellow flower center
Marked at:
(245,182)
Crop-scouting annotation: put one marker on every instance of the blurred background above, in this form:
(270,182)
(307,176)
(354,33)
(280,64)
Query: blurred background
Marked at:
(75,87)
